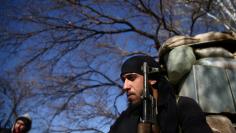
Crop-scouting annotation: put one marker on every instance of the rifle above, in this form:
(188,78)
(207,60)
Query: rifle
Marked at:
(148,120)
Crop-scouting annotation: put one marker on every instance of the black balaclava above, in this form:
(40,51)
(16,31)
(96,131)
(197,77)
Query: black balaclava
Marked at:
(134,65)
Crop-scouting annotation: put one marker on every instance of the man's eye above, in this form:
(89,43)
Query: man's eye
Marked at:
(131,77)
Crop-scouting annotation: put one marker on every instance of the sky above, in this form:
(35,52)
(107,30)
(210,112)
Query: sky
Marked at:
(106,60)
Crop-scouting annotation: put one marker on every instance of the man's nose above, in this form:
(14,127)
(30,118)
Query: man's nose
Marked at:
(126,85)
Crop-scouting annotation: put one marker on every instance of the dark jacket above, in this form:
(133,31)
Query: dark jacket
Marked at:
(5,130)
(189,118)
(174,115)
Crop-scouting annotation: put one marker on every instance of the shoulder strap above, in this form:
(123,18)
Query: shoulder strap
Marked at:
(177,99)
(177,105)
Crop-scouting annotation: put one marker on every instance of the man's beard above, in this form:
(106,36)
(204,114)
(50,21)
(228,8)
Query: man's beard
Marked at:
(131,104)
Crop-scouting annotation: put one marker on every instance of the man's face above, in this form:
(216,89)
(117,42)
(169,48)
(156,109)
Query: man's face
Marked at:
(19,127)
(133,86)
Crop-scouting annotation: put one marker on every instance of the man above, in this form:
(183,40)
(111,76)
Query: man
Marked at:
(21,125)
(175,114)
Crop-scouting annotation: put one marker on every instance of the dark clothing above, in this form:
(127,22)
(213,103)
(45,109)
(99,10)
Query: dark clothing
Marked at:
(5,130)
(173,115)
(127,122)
(191,117)
(188,118)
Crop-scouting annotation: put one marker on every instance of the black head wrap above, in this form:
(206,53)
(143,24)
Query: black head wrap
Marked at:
(134,65)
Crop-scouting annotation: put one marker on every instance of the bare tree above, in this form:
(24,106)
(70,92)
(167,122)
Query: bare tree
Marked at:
(65,54)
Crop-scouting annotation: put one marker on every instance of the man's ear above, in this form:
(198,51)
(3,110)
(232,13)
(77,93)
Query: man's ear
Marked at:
(152,82)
